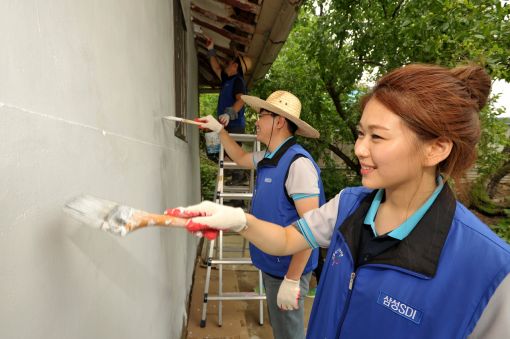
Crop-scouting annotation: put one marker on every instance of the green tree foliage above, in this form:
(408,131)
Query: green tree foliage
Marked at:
(337,48)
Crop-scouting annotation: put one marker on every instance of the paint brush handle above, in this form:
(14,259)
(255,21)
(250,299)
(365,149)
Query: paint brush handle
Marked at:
(144,219)
(187,121)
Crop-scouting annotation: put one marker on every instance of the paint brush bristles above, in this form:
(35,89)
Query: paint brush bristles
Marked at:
(187,121)
(90,210)
(114,218)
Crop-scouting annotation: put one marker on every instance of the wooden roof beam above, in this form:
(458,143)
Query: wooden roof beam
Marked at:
(244,5)
(224,20)
(234,37)
(201,41)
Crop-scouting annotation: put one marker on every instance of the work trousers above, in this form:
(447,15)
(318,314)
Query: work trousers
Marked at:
(286,324)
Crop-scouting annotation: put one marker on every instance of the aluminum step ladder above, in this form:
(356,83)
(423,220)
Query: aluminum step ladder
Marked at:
(224,193)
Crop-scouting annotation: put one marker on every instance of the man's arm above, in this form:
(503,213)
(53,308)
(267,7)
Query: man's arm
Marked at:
(231,113)
(302,185)
(236,152)
(238,105)
(215,65)
(289,292)
(211,53)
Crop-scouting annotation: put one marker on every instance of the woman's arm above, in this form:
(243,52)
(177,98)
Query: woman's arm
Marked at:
(270,238)
(274,239)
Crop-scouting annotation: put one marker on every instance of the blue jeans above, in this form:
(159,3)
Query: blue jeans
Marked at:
(286,324)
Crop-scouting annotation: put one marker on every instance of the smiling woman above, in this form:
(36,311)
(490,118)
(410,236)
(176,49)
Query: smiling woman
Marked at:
(400,246)
(393,158)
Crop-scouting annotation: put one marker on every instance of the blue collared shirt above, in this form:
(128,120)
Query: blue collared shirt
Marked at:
(409,224)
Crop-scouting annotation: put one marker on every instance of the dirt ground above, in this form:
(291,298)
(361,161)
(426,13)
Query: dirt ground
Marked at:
(240,318)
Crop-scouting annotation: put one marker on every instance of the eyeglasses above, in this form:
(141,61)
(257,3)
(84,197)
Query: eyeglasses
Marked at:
(260,115)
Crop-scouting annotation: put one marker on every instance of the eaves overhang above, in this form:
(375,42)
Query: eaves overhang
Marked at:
(256,28)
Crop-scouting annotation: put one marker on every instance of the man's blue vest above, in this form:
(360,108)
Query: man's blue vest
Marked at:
(272,203)
(227,99)
(434,284)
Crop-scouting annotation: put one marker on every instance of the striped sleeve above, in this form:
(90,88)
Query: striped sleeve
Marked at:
(304,229)
(300,196)
(317,225)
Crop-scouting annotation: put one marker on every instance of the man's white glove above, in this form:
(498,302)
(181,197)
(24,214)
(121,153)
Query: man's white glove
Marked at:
(224,119)
(216,216)
(232,114)
(288,295)
(210,123)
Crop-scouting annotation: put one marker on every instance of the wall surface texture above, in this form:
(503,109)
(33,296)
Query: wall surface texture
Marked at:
(83,87)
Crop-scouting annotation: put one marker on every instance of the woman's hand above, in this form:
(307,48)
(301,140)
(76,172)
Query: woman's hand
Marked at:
(208,215)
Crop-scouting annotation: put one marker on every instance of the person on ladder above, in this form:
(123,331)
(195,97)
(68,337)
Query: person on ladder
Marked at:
(230,109)
(288,185)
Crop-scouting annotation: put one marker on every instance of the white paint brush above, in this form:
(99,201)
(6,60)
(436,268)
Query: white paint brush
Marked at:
(186,121)
(118,219)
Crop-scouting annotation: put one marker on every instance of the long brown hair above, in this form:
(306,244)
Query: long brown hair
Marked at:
(435,102)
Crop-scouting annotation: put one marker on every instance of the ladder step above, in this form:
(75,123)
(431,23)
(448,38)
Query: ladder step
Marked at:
(236,189)
(245,196)
(232,249)
(244,137)
(233,165)
(237,296)
(232,261)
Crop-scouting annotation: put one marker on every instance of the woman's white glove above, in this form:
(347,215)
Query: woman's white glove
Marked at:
(216,216)
(288,295)
(211,123)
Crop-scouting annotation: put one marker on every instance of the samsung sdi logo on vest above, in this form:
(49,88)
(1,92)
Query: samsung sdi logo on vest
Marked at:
(268,180)
(399,307)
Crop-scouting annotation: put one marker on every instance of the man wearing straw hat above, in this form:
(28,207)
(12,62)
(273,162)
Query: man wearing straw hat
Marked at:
(230,110)
(288,185)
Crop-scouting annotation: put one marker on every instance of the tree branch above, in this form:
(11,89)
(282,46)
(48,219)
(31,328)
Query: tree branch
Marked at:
(383,8)
(500,173)
(397,9)
(335,97)
(346,159)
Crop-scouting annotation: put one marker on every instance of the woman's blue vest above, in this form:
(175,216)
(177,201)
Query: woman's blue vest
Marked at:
(227,99)
(272,203)
(434,284)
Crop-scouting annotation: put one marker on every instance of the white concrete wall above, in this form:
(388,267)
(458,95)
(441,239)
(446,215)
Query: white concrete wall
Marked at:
(83,87)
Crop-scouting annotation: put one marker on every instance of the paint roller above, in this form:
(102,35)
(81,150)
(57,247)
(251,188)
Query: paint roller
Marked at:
(120,220)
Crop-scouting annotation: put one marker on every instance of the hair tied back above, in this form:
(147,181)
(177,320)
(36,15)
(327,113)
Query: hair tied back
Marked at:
(476,81)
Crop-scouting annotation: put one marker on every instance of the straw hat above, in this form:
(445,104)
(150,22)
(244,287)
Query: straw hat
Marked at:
(286,105)
(245,63)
